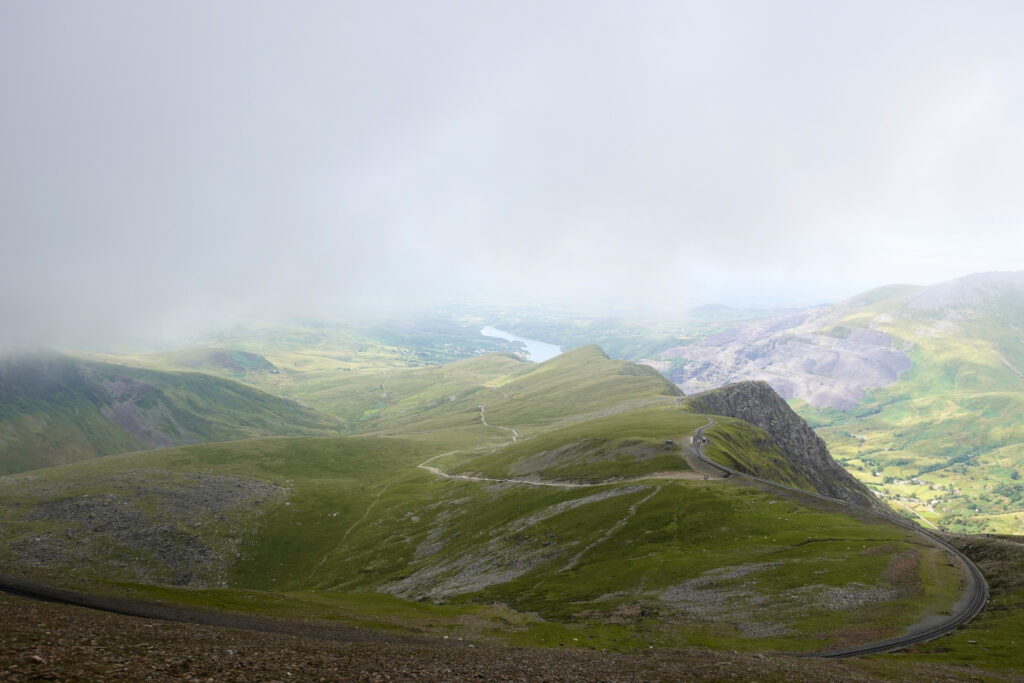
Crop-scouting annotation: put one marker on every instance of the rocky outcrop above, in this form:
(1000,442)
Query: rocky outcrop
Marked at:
(149,525)
(758,404)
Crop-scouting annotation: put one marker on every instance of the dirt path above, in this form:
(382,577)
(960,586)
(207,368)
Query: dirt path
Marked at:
(1012,367)
(704,473)
(630,513)
(467,477)
(483,418)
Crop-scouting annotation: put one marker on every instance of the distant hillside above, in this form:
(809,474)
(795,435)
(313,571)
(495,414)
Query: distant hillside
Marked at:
(56,409)
(804,355)
(367,339)
(521,395)
(242,366)
(917,390)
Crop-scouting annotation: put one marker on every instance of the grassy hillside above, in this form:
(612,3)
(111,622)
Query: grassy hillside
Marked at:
(274,357)
(591,531)
(745,448)
(351,528)
(55,409)
(945,442)
(240,366)
(398,400)
(515,394)
(631,444)
(583,381)
(394,398)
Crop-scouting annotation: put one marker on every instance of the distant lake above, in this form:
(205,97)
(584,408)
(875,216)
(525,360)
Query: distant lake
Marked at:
(537,351)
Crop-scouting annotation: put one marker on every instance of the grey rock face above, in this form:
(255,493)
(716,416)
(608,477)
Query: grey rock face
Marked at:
(758,404)
(795,358)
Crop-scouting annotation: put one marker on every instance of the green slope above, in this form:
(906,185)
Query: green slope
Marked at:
(55,409)
(745,448)
(625,445)
(401,397)
(525,396)
(945,440)
(581,382)
(614,565)
(583,539)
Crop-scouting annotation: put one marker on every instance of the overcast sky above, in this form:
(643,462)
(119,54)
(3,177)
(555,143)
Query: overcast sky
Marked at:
(168,163)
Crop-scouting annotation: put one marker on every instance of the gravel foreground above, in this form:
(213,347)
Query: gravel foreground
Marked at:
(47,641)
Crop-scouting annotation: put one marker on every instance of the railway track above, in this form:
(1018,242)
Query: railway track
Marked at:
(977,587)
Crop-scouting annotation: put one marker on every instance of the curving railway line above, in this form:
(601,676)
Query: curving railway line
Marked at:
(976,591)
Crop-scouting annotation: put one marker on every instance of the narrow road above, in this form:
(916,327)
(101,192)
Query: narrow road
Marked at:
(975,594)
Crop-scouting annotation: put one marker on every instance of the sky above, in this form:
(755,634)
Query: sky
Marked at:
(166,165)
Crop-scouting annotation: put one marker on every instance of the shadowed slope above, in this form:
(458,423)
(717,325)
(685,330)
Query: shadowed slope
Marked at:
(55,409)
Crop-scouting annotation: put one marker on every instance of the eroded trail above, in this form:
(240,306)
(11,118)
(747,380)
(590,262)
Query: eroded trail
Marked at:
(630,513)
(497,480)
(533,481)
(483,419)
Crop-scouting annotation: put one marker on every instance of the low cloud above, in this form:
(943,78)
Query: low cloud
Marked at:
(170,166)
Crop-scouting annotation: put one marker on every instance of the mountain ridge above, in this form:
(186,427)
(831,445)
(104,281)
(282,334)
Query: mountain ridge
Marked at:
(916,390)
(56,409)
(760,405)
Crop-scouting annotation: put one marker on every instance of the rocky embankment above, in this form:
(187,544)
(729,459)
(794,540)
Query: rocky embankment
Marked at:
(45,641)
(144,525)
(758,404)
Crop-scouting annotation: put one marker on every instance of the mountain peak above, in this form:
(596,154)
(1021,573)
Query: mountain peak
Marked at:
(972,291)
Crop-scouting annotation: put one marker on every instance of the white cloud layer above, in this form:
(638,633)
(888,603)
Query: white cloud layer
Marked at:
(167,164)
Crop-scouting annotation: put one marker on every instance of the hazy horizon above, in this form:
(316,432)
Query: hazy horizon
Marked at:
(170,166)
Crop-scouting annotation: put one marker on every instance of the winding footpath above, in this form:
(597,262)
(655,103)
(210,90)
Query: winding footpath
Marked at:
(556,483)
(483,418)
